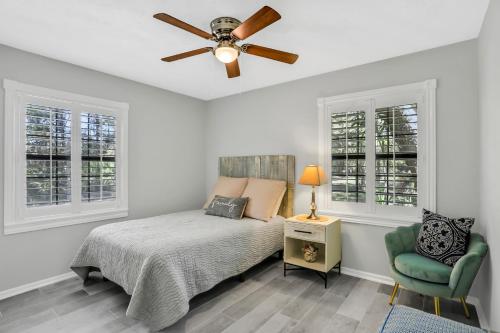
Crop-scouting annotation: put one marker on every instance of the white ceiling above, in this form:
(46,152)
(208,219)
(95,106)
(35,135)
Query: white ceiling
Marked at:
(123,39)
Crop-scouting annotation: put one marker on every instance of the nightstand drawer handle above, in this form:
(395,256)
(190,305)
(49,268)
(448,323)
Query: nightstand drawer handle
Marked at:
(304,232)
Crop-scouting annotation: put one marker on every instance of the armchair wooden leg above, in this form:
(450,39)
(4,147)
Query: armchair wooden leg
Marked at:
(394,293)
(466,309)
(437,306)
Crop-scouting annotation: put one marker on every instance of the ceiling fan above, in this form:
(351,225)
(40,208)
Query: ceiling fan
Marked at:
(226,32)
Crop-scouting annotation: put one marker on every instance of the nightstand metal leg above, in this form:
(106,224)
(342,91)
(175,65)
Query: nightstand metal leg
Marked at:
(284,269)
(324,277)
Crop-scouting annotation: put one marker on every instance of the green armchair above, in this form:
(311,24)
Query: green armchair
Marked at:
(427,276)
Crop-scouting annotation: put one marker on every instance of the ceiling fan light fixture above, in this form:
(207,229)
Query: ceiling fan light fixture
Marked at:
(227,32)
(226,53)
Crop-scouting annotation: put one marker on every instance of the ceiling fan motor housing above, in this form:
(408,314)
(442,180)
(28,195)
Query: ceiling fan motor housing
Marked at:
(223,26)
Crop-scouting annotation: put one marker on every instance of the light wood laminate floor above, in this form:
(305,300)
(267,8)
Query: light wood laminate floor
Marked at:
(266,302)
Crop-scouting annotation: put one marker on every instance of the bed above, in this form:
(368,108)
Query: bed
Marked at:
(164,261)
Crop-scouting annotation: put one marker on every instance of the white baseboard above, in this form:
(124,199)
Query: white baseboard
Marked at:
(368,276)
(383,279)
(35,285)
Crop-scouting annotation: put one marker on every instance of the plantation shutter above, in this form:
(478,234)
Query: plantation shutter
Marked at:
(98,151)
(348,156)
(48,155)
(396,155)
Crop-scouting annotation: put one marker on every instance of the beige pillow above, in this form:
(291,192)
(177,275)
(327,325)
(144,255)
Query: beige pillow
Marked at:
(265,197)
(227,187)
(278,203)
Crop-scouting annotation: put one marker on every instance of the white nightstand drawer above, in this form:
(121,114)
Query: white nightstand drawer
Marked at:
(304,231)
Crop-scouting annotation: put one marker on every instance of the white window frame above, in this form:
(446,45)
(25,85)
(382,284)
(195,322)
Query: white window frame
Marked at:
(19,218)
(424,94)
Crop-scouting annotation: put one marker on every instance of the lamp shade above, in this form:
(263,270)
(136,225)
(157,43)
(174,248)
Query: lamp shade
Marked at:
(313,175)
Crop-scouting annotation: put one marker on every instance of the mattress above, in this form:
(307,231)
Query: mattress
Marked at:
(164,261)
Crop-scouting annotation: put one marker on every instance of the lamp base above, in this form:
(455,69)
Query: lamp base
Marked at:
(313,215)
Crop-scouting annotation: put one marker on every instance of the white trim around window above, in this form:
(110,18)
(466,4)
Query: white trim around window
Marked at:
(368,212)
(18,216)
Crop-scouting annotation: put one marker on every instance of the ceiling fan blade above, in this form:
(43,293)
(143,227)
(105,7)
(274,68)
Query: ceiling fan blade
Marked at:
(258,21)
(273,54)
(187,54)
(183,25)
(233,69)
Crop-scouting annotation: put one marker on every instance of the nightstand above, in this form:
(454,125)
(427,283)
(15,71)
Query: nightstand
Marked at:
(323,234)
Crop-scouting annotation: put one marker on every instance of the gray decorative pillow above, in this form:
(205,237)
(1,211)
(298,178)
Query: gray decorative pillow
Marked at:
(227,207)
(443,239)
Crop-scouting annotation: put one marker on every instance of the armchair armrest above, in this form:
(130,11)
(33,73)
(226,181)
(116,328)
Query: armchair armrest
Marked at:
(463,274)
(465,270)
(401,240)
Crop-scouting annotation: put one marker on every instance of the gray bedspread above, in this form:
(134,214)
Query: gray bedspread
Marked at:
(164,261)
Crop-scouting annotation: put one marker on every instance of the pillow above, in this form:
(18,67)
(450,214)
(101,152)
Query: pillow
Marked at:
(264,197)
(443,239)
(227,187)
(278,203)
(227,207)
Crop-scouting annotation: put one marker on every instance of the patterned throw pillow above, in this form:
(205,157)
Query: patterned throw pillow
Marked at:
(442,238)
(227,207)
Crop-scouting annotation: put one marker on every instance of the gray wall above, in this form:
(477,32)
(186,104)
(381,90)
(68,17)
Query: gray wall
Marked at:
(489,111)
(166,159)
(284,119)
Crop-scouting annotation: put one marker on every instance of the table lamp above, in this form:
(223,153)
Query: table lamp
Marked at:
(313,175)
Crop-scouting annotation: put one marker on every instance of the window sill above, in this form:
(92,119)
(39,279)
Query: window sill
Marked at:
(63,220)
(376,220)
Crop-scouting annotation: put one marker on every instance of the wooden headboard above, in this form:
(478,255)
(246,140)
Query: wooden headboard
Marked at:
(280,167)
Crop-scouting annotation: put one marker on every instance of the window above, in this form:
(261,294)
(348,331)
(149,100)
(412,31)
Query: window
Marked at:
(396,130)
(65,158)
(48,155)
(98,157)
(378,150)
(348,156)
